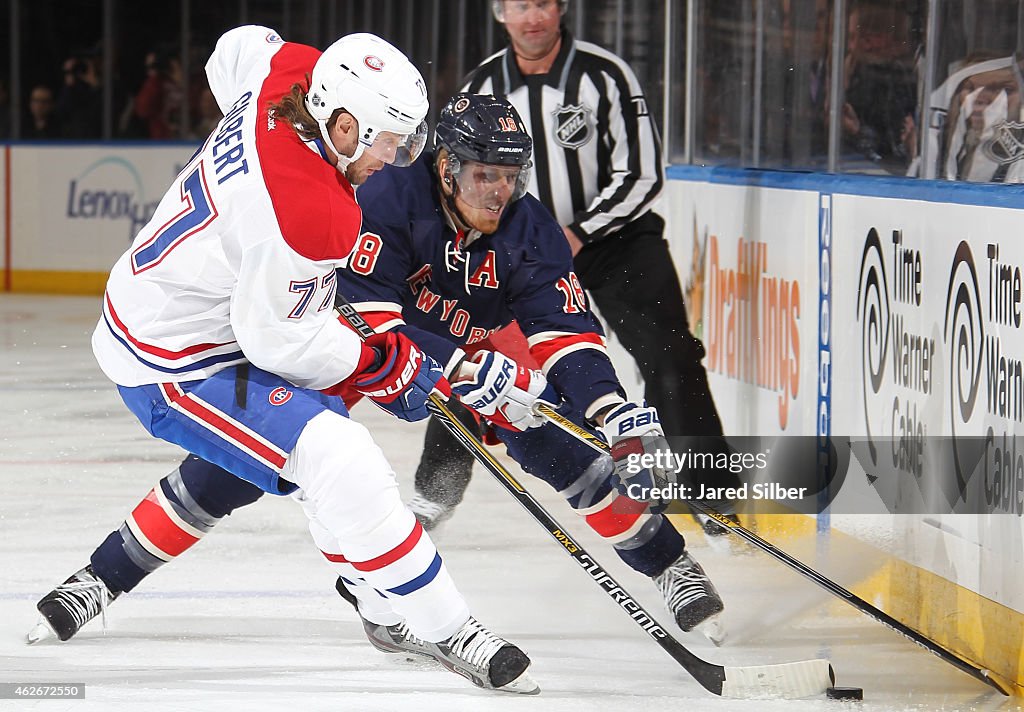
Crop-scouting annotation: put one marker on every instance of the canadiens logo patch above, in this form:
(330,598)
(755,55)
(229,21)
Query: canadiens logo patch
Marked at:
(373,62)
(573,125)
(279,396)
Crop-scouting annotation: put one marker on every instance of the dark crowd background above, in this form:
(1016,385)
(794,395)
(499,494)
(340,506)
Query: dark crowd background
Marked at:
(865,86)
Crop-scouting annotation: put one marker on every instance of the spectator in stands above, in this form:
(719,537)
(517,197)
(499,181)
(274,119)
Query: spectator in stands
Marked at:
(159,101)
(79,103)
(878,115)
(42,121)
(209,115)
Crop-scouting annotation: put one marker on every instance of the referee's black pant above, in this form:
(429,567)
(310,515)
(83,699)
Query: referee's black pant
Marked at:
(632,280)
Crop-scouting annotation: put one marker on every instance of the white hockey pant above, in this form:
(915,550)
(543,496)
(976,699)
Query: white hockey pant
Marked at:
(358,520)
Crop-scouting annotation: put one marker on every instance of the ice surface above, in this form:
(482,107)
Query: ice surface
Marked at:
(248,619)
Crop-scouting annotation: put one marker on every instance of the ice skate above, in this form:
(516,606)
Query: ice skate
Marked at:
(691,597)
(429,513)
(473,652)
(486,660)
(388,638)
(71,605)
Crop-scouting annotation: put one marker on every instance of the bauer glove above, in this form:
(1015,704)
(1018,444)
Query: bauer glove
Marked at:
(401,377)
(501,390)
(634,434)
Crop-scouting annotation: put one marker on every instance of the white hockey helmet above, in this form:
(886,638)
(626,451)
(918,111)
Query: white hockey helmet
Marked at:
(520,7)
(374,82)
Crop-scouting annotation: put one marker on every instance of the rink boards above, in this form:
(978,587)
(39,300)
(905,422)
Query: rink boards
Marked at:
(889,310)
(845,305)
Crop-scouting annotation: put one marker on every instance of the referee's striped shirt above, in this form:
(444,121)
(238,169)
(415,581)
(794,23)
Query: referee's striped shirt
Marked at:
(596,150)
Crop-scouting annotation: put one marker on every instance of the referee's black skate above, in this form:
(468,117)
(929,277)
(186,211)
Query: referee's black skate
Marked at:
(691,597)
(487,660)
(716,535)
(711,527)
(71,605)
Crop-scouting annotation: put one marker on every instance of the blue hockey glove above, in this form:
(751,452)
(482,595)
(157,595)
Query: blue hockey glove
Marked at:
(401,378)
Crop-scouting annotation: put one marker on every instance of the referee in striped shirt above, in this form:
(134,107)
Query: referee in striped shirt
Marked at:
(597,167)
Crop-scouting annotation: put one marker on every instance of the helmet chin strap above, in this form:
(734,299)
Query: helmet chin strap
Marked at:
(343,161)
(453,209)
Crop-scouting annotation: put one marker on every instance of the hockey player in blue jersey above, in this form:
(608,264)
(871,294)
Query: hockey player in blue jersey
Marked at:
(452,250)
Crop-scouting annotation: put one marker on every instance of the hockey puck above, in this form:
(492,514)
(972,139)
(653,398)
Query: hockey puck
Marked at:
(845,693)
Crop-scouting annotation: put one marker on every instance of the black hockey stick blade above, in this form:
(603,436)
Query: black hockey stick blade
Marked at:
(984,675)
(790,680)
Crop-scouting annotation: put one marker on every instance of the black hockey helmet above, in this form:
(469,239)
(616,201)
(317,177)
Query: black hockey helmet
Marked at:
(481,128)
(484,128)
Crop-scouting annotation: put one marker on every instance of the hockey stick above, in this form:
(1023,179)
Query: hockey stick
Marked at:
(986,676)
(798,679)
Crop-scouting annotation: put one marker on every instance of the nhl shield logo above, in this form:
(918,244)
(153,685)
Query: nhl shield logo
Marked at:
(1007,145)
(573,125)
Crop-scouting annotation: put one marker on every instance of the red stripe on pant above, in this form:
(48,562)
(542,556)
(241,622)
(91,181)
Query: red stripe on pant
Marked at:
(617,518)
(223,427)
(159,528)
(384,559)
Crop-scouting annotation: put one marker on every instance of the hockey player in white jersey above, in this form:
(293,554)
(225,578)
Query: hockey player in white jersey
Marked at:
(219,331)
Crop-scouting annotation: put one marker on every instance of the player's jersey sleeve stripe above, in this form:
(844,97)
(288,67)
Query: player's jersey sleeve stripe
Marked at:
(366,307)
(453,362)
(549,351)
(381,316)
(609,399)
(383,321)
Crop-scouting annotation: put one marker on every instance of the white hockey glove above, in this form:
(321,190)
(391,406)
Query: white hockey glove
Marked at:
(501,390)
(634,434)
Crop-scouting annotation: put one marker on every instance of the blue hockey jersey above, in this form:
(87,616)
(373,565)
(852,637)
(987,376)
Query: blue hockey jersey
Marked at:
(411,270)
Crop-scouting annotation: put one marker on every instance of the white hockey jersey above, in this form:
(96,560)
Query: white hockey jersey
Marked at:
(238,262)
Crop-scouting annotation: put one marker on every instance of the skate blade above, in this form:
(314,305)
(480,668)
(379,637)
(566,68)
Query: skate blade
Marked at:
(713,629)
(39,633)
(522,685)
